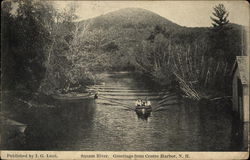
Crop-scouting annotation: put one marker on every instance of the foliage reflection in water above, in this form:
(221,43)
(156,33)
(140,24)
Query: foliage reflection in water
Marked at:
(98,125)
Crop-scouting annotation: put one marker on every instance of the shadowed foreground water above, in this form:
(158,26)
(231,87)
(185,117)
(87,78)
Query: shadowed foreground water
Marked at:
(98,125)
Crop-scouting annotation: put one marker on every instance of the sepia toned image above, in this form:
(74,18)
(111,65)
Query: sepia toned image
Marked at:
(115,76)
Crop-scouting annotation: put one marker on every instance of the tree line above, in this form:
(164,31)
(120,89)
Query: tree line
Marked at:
(199,60)
(45,50)
(42,49)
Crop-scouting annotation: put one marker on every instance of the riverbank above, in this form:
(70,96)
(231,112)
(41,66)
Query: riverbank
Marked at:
(41,115)
(82,124)
(186,90)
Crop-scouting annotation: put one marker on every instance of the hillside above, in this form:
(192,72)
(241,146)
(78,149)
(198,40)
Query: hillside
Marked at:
(130,18)
(121,31)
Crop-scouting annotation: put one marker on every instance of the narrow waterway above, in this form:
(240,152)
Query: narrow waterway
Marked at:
(110,123)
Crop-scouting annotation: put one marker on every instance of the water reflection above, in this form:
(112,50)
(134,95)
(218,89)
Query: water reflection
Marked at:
(60,127)
(143,115)
(106,125)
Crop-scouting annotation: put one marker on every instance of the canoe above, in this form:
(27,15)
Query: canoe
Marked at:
(72,96)
(12,125)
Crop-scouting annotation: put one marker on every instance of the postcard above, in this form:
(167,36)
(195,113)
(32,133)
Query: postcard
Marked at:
(124,80)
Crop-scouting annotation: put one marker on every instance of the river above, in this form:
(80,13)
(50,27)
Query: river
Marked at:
(105,125)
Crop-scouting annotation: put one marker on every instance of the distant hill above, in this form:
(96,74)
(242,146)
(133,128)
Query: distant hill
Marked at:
(130,18)
(126,26)
(120,32)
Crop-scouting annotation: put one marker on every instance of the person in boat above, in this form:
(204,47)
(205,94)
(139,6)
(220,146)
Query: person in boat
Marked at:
(148,103)
(144,103)
(138,102)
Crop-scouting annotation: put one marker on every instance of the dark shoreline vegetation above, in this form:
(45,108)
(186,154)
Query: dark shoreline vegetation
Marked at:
(45,52)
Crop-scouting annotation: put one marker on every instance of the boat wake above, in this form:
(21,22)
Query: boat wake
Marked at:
(125,97)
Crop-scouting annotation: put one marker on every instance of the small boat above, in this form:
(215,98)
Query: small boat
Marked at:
(72,96)
(12,125)
(143,112)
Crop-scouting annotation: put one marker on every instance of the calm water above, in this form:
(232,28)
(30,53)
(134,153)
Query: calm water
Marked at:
(103,124)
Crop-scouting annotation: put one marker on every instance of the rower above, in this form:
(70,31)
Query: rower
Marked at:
(138,102)
(148,103)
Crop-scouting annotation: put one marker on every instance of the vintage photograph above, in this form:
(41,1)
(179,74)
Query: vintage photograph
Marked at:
(124,76)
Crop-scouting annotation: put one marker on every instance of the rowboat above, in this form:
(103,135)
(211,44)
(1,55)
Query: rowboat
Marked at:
(143,112)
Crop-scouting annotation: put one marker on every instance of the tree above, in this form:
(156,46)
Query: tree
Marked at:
(220,16)
(219,35)
(69,60)
(25,40)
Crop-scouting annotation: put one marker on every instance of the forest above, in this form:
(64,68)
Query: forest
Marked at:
(47,51)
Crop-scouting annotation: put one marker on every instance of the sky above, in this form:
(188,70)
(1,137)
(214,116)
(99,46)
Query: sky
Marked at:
(184,13)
